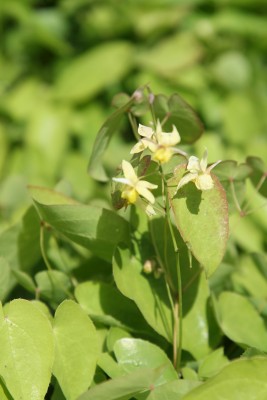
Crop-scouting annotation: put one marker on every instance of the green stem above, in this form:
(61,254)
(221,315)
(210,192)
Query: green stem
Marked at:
(134,126)
(48,265)
(241,212)
(178,304)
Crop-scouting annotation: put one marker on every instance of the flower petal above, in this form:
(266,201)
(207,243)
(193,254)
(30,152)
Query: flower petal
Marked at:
(204,161)
(204,182)
(122,180)
(213,165)
(169,138)
(193,164)
(141,188)
(145,131)
(150,210)
(138,147)
(129,173)
(187,178)
(147,184)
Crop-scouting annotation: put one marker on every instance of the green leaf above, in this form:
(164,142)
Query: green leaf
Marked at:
(27,350)
(127,385)
(107,363)
(212,364)
(53,286)
(180,114)
(242,379)
(149,293)
(240,321)
(115,334)
(48,196)
(94,228)
(202,219)
(24,280)
(93,71)
(247,278)
(259,174)
(76,349)
(103,137)
(174,390)
(133,354)
(105,304)
(197,313)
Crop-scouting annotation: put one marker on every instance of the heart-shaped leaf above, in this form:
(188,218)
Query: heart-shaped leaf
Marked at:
(27,350)
(201,218)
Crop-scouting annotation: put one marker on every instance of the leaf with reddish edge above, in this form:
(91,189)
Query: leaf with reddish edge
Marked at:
(201,218)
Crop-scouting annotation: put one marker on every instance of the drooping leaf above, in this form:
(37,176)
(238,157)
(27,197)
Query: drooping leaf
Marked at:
(240,321)
(242,379)
(27,350)
(92,227)
(76,349)
(202,219)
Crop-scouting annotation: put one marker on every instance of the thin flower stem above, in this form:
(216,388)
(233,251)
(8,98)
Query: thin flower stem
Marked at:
(232,186)
(257,188)
(150,101)
(134,126)
(48,265)
(178,304)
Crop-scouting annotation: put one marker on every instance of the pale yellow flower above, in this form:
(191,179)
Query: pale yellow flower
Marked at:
(161,144)
(135,187)
(199,173)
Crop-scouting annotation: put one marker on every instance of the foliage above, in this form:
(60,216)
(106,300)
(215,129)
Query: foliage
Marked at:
(100,300)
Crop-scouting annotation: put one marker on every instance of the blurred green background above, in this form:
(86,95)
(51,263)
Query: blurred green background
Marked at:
(62,62)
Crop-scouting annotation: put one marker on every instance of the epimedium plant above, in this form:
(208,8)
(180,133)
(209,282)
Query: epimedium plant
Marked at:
(156,318)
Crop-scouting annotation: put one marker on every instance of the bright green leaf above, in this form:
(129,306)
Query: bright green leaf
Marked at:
(27,350)
(107,305)
(240,321)
(132,354)
(202,219)
(174,390)
(242,379)
(127,385)
(212,364)
(76,349)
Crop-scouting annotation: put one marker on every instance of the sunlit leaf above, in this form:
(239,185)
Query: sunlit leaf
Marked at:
(202,219)
(242,379)
(76,349)
(27,349)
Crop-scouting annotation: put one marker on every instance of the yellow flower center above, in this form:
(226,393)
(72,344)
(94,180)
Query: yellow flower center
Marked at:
(130,195)
(162,154)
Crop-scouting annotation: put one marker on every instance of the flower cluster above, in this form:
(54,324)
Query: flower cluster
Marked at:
(162,147)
